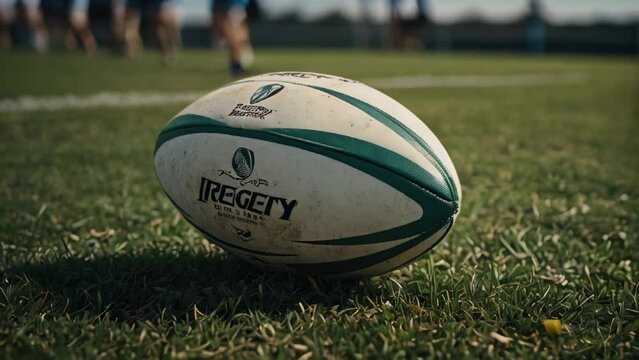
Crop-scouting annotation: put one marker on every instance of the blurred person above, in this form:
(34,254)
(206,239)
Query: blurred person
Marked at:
(167,29)
(535,28)
(118,13)
(34,20)
(407,32)
(79,26)
(413,28)
(71,18)
(163,14)
(395,31)
(229,21)
(131,31)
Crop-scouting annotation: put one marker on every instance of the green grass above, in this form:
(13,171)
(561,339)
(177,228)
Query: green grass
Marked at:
(95,261)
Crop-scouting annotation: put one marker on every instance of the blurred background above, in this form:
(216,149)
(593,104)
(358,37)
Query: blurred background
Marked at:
(535,101)
(557,26)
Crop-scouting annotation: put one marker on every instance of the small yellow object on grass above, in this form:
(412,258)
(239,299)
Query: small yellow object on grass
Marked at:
(552,326)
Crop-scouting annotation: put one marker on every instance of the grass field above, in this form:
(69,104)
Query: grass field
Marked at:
(95,261)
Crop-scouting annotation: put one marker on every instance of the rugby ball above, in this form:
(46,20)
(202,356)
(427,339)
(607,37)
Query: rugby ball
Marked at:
(309,172)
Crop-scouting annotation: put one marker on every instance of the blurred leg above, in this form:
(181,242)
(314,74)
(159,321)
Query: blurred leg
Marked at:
(216,31)
(118,12)
(68,34)
(7,14)
(79,21)
(132,40)
(68,38)
(394,40)
(236,33)
(229,20)
(35,22)
(167,31)
(247,57)
(175,27)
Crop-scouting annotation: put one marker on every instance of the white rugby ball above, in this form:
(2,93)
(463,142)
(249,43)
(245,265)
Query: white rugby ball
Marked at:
(309,172)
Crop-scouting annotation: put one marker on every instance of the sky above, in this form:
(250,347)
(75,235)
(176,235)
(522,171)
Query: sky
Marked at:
(442,11)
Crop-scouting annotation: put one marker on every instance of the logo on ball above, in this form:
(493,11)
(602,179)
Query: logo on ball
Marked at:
(243,161)
(265,92)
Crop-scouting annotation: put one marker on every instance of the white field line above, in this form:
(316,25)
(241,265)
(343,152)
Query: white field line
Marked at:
(137,98)
(484,81)
(101,99)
